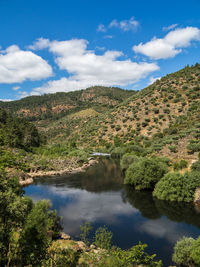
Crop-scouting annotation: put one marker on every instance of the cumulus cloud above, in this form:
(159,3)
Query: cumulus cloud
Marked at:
(39,44)
(85,68)
(170,45)
(18,65)
(170,27)
(125,25)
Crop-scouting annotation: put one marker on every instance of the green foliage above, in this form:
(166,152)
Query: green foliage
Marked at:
(37,233)
(117,152)
(127,160)
(26,229)
(173,149)
(145,173)
(15,132)
(193,146)
(195,252)
(103,238)
(135,256)
(180,165)
(177,187)
(85,231)
(9,159)
(182,251)
(196,166)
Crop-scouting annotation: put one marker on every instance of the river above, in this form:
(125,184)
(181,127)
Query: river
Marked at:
(99,196)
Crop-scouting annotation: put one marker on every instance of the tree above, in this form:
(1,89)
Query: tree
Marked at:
(145,173)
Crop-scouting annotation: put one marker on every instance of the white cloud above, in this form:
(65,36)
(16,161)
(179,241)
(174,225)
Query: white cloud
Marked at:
(16,88)
(17,66)
(125,25)
(39,44)
(6,100)
(85,68)
(170,45)
(170,27)
(101,28)
(153,79)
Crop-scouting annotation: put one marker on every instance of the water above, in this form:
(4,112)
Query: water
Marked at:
(100,197)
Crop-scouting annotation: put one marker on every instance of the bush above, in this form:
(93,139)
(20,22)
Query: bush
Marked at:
(173,149)
(195,252)
(177,187)
(196,166)
(145,173)
(103,238)
(127,160)
(180,165)
(182,251)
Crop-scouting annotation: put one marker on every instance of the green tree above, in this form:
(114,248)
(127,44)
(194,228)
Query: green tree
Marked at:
(145,173)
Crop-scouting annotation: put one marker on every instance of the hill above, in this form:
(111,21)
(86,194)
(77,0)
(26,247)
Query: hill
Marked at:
(164,116)
(55,106)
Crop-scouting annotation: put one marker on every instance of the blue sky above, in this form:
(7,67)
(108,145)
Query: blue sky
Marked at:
(50,46)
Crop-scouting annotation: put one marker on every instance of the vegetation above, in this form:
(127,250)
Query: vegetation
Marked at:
(177,187)
(154,132)
(187,252)
(26,229)
(17,133)
(145,173)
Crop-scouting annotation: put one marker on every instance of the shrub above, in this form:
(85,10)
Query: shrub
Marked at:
(173,149)
(193,147)
(196,166)
(177,187)
(182,251)
(180,165)
(103,238)
(145,173)
(195,252)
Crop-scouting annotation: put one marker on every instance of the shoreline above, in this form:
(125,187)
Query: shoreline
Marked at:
(68,170)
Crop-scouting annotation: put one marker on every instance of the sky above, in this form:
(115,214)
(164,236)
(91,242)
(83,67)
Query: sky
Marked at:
(61,45)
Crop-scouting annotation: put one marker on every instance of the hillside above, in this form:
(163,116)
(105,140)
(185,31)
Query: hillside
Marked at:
(17,133)
(165,114)
(55,106)
(163,118)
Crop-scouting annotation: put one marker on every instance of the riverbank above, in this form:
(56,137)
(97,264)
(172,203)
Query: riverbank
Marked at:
(28,178)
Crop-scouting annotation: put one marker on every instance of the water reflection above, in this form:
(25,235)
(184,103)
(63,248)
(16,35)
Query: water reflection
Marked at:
(100,197)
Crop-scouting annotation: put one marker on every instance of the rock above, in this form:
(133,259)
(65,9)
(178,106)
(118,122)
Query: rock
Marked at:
(197,196)
(82,246)
(92,246)
(65,236)
(26,182)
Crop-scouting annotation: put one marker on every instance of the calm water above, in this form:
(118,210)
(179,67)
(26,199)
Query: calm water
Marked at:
(100,197)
